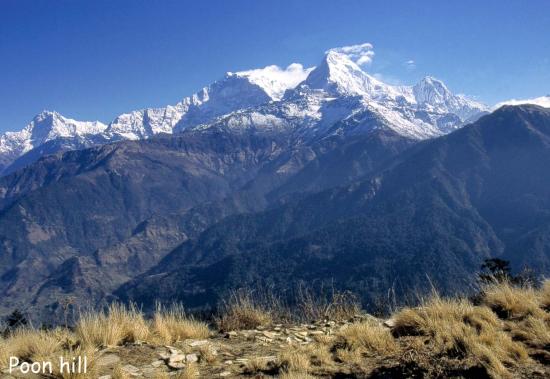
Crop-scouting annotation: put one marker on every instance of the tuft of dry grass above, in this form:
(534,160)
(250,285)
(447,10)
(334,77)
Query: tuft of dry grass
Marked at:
(242,311)
(119,373)
(461,330)
(29,345)
(256,365)
(295,375)
(370,336)
(207,353)
(68,355)
(512,302)
(294,360)
(118,325)
(337,306)
(532,331)
(544,295)
(191,371)
(172,324)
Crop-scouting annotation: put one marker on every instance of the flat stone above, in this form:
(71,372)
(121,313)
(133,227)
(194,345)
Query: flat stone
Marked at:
(130,369)
(177,358)
(198,343)
(225,373)
(108,360)
(157,363)
(390,323)
(105,377)
(176,365)
(164,356)
(191,358)
(228,362)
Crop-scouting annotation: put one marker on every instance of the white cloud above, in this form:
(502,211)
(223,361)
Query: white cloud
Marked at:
(543,101)
(360,54)
(276,80)
(410,65)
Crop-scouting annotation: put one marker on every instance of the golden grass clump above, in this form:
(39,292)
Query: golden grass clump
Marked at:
(241,312)
(295,375)
(190,371)
(369,336)
(256,365)
(461,330)
(71,353)
(119,373)
(172,324)
(207,353)
(544,295)
(118,325)
(294,360)
(30,344)
(512,302)
(532,331)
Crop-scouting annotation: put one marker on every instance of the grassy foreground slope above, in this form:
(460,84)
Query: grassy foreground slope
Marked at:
(505,334)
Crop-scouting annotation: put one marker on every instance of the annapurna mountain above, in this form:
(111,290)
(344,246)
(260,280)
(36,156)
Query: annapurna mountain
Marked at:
(336,97)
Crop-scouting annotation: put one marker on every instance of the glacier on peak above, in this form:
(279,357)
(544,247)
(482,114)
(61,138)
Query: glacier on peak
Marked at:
(337,96)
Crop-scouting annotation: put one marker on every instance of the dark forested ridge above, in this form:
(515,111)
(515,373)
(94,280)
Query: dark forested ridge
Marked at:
(429,217)
(81,224)
(187,217)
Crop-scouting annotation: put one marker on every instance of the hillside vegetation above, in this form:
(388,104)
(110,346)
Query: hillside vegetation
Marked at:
(503,333)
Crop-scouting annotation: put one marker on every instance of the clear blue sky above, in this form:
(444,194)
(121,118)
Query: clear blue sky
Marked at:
(95,59)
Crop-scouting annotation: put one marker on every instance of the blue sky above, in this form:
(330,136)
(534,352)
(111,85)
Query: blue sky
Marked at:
(95,59)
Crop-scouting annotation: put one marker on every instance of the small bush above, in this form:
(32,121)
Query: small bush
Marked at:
(172,324)
(511,302)
(369,337)
(461,330)
(118,325)
(242,311)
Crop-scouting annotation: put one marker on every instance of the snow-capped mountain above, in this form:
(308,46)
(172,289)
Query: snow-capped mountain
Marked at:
(543,101)
(339,97)
(44,127)
(336,97)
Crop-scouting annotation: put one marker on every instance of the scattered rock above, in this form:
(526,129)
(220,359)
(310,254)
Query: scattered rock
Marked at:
(177,358)
(108,360)
(198,343)
(390,323)
(191,358)
(176,365)
(157,363)
(225,373)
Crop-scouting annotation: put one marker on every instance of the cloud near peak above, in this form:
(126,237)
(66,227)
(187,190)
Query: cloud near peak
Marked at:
(360,54)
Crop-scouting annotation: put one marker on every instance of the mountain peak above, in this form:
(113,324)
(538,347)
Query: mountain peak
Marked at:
(338,74)
(275,80)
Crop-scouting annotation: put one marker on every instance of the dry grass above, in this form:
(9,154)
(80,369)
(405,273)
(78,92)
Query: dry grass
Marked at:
(458,329)
(243,311)
(512,302)
(370,337)
(532,331)
(207,353)
(257,365)
(191,371)
(294,360)
(71,353)
(295,375)
(119,373)
(337,306)
(544,295)
(118,325)
(30,345)
(172,324)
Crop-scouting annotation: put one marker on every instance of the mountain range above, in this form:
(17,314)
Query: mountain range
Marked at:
(308,101)
(274,177)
